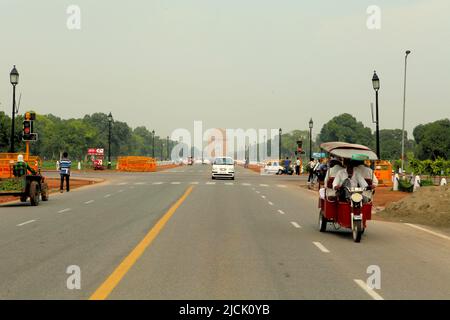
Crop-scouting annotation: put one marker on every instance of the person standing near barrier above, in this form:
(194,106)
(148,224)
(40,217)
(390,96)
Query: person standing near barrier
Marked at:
(297,167)
(64,171)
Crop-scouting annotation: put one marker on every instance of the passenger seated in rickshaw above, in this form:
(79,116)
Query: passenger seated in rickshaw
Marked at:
(366,173)
(21,168)
(348,178)
(335,166)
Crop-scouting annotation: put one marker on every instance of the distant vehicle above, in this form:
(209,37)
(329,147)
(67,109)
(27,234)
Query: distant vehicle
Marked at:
(223,167)
(206,161)
(273,167)
(190,161)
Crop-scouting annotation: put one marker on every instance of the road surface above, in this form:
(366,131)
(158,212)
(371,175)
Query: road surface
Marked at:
(177,234)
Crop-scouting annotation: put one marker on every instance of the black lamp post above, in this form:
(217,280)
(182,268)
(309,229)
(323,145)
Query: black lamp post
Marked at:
(14,78)
(376,87)
(153,144)
(311,123)
(279,142)
(110,120)
(168,147)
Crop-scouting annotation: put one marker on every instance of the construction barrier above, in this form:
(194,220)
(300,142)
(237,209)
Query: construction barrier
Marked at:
(7,161)
(383,172)
(136,164)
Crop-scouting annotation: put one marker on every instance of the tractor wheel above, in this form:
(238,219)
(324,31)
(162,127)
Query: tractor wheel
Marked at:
(44,192)
(34,193)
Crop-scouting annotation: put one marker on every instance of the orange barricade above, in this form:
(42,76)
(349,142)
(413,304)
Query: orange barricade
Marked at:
(7,161)
(136,164)
(383,172)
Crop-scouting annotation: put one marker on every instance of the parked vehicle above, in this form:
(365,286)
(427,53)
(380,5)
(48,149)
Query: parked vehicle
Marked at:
(354,213)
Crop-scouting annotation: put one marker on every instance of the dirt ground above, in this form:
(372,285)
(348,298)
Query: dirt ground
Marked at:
(427,206)
(53,185)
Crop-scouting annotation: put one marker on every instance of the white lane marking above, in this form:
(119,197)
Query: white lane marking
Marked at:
(263,185)
(175,182)
(24,223)
(270,203)
(295,224)
(281,186)
(367,289)
(121,190)
(139,183)
(122,183)
(258,192)
(158,182)
(88,202)
(64,210)
(107,196)
(280,211)
(321,247)
(263,197)
(440,235)
(246,184)
(194,182)
(210,183)
(229,183)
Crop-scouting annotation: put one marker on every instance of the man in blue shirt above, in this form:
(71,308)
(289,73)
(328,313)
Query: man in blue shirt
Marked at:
(64,171)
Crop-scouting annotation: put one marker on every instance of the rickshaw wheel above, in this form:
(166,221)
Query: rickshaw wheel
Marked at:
(34,193)
(322,222)
(23,198)
(357,231)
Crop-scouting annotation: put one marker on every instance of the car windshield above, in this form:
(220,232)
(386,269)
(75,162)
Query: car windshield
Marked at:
(222,161)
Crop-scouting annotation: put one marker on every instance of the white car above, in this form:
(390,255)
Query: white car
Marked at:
(272,167)
(223,167)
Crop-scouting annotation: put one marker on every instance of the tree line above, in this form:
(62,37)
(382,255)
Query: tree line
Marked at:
(77,135)
(429,141)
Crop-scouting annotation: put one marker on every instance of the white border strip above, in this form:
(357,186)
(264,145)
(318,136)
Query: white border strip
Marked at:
(440,235)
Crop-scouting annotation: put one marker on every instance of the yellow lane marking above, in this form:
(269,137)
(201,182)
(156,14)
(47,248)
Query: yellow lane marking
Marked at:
(113,280)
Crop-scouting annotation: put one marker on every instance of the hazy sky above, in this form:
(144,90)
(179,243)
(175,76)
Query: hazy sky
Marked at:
(230,63)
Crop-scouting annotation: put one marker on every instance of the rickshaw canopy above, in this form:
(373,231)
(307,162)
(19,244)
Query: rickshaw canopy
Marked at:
(349,151)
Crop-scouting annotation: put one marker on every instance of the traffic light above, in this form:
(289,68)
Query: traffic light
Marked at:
(299,147)
(27,132)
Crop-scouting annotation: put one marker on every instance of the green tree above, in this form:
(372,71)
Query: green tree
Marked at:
(433,140)
(346,128)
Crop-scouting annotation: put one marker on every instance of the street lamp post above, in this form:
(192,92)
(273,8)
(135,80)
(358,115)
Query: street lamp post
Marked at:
(404,107)
(376,87)
(311,123)
(168,147)
(162,148)
(279,143)
(110,120)
(153,144)
(14,78)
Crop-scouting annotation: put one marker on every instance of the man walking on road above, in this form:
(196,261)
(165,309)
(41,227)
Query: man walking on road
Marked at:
(297,167)
(64,170)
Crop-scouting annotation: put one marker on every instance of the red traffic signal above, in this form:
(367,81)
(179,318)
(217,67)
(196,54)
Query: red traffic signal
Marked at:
(27,132)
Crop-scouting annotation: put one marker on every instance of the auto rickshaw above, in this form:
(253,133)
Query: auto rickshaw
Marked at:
(354,213)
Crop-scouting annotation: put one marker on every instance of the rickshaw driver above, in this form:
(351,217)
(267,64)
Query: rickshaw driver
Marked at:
(348,178)
(21,168)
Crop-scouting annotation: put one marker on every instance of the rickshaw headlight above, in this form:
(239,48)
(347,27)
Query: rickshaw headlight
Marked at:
(357,197)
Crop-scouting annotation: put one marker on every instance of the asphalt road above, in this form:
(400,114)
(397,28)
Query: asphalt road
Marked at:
(177,234)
